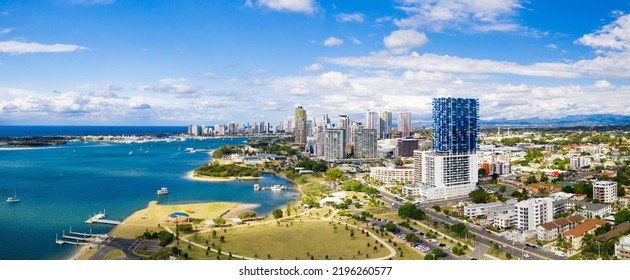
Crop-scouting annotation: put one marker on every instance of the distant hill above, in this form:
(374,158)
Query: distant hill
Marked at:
(575,120)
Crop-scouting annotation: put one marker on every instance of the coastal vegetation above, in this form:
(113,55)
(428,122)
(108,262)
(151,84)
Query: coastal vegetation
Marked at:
(226,150)
(226,170)
(35,141)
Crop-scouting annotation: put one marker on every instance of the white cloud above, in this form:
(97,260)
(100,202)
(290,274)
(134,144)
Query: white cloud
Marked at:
(475,15)
(16,47)
(333,42)
(552,46)
(142,106)
(351,93)
(615,36)
(355,40)
(314,67)
(401,41)
(295,6)
(180,87)
(602,84)
(209,74)
(5,30)
(356,17)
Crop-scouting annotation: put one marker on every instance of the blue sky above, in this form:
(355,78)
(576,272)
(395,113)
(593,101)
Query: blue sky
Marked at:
(177,62)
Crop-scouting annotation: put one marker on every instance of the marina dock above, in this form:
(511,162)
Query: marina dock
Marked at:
(100,218)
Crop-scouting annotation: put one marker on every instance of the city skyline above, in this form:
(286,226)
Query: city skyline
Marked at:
(164,64)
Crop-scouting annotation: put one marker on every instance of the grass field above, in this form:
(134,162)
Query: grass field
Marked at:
(155,214)
(300,240)
(116,254)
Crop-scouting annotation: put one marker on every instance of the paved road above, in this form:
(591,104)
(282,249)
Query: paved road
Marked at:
(125,245)
(481,236)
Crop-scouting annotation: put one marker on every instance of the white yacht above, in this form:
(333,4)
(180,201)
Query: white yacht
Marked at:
(162,191)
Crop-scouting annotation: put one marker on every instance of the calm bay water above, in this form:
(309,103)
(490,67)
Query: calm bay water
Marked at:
(62,186)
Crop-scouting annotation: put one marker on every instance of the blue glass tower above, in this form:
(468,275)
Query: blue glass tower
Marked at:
(455,125)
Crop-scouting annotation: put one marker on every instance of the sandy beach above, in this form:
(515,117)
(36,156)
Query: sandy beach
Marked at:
(190,176)
(154,214)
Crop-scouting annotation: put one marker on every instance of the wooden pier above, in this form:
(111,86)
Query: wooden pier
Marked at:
(100,218)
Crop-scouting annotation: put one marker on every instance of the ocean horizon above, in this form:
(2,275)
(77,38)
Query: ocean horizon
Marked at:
(84,130)
(62,186)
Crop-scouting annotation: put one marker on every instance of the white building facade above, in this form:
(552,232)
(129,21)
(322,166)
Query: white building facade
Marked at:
(533,212)
(605,191)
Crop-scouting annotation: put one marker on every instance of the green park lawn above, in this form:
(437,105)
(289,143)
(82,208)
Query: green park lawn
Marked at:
(300,240)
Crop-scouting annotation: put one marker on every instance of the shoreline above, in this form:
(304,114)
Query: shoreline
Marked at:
(132,220)
(190,176)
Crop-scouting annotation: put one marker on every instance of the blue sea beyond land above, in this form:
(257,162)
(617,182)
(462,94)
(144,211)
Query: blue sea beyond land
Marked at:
(62,186)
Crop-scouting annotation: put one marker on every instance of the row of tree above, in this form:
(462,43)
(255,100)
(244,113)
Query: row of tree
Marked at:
(226,170)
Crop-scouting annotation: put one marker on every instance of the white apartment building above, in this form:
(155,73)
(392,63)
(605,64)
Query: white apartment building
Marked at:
(504,221)
(578,163)
(391,175)
(605,191)
(472,211)
(622,248)
(412,190)
(533,212)
(334,144)
(446,176)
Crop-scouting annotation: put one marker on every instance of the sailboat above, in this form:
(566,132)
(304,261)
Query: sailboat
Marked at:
(13,199)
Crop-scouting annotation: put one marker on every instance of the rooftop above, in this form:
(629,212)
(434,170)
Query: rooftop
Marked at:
(583,228)
(562,222)
(623,227)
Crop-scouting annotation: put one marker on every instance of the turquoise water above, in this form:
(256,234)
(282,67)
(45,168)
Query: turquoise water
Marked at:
(63,186)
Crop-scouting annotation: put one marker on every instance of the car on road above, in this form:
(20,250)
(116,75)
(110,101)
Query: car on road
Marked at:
(526,255)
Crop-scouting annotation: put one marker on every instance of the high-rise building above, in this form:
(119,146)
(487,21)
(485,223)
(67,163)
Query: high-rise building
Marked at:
(372,120)
(319,139)
(300,126)
(406,147)
(451,169)
(194,129)
(309,128)
(344,122)
(220,129)
(385,125)
(365,143)
(404,124)
(455,125)
(417,166)
(605,191)
(533,212)
(334,143)
(232,128)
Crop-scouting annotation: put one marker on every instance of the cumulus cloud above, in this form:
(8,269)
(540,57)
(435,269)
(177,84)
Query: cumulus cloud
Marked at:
(314,67)
(355,40)
(475,15)
(294,6)
(614,36)
(180,87)
(401,41)
(333,42)
(5,30)
(355,17)
(552,46)
(143,106)
(602,84)
(413,91)
(16,47)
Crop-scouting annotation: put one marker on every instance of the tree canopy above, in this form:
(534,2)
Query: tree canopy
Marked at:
(333,173)
(479,196)
(277,213)
(410,211)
